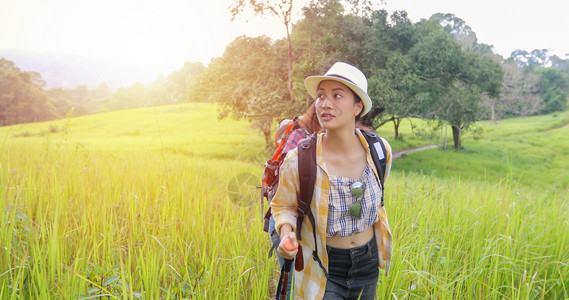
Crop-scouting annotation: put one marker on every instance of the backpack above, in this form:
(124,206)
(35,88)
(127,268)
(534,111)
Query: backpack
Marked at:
(271,172)
(307,176)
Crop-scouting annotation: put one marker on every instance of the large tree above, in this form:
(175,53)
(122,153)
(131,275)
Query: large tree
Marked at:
(519,95)
(327,34)
(395,91)
(282,9)
(462,33)
(392,79)
(554,87)
(248,82)
(453,81)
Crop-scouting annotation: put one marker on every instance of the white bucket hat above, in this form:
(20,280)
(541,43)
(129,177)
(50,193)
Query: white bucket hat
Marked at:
(346,74)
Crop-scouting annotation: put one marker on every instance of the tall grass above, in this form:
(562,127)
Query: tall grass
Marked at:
(462,239)
(135,205)
(73,221)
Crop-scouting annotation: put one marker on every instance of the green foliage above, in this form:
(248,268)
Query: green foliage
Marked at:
(249,81)
(413,69)
(453,80)
(23,99)
(21,96)
(555,89)
(176,88)
(80,100)
(529,151)
(395,89)
(179,83)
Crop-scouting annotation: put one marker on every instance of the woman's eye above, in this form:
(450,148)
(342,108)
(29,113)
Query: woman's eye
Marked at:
(337,96)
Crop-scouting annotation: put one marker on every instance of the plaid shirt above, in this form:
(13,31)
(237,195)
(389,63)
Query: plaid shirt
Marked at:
(311,282)
(293,139)
(340,222)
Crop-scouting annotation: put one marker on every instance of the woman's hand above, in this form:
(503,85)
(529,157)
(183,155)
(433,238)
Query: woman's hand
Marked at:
(289,245)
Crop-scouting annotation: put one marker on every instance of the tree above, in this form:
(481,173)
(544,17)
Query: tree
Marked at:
(554,87)
(179,82)
(248,83)
(394,90)
(392,81)
(519,95)
(461,33)
(453,81)
(483,77)
(22,98)
(279,8)
(326,35)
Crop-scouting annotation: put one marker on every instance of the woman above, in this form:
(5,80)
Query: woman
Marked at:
(356,241)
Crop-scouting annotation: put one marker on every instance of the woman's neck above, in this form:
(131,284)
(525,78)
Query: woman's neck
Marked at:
(341,140)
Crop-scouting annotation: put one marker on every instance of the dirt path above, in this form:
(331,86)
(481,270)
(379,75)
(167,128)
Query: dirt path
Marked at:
(396,155)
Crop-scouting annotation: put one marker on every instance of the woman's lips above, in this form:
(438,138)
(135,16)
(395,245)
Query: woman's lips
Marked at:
(327,117)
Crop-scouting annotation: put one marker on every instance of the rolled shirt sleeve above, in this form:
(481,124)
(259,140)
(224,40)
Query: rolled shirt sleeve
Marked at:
(284,203)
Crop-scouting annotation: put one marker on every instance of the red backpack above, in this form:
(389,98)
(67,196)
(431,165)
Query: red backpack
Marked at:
(271,171)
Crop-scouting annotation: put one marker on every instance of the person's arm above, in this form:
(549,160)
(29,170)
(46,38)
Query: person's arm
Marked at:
(284,204)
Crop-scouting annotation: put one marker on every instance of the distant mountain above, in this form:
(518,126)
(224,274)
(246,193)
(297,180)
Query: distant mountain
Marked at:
(71,71)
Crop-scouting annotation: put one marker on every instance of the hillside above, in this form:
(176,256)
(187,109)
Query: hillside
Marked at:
(139,204)
(531,151)
(189,129)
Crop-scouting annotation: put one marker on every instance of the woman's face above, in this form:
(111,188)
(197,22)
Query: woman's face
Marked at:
(335,105)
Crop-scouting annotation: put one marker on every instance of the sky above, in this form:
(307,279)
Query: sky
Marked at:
(171,32)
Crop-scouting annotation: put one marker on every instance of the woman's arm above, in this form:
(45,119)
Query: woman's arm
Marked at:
(284,204)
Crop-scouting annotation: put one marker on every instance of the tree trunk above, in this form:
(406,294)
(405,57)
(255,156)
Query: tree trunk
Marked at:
(446,137)
(444,131)
(456,136)
(289,62)
(268,140)
(396,123)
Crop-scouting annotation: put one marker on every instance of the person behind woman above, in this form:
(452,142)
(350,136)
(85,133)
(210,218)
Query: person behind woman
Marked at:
(351,243)
(308,124)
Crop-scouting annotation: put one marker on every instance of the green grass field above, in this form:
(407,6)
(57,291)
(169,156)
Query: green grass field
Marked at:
(137,204)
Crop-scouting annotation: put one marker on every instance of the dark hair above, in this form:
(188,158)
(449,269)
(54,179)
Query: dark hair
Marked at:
(359,125)
(358,99)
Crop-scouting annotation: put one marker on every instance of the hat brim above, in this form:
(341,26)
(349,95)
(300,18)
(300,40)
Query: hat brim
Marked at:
(312,83)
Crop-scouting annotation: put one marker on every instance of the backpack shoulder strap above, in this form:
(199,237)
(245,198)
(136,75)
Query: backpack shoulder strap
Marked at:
(377,150)
(307,178)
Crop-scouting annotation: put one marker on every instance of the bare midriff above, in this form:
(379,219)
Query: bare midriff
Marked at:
(351,241)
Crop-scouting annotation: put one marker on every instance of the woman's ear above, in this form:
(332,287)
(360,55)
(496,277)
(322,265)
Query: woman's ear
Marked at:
(359,108)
